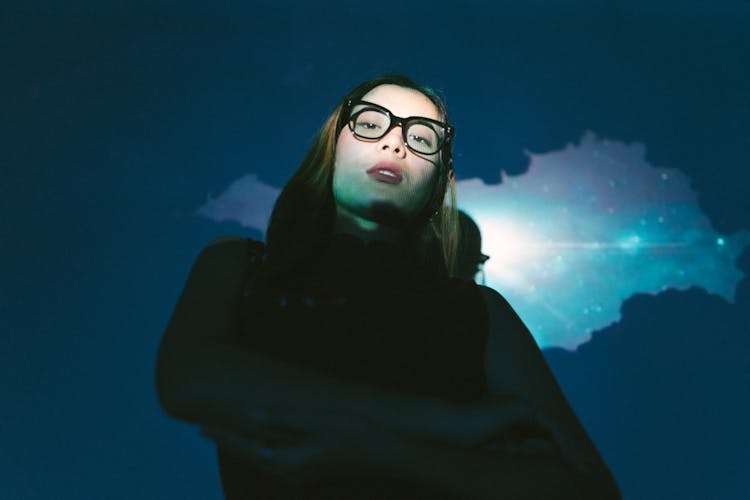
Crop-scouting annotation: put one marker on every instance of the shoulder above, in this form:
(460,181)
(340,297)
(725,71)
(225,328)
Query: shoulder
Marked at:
(513,361)
(511,353)
(224,258)
(491,296)
(206,304)
(228,247)
(466,292)
(499,310)
(508,336)
(225,243)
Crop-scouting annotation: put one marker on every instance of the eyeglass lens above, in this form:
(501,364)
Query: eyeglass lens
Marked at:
(373,124)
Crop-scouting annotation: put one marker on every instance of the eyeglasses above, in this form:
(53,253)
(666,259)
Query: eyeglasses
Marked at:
(421,135)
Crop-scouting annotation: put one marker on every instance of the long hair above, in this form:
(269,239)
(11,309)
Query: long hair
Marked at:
(304,214)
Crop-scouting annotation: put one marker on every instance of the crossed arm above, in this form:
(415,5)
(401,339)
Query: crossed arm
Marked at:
(301,424)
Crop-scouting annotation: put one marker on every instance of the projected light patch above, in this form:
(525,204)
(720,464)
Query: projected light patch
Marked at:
(589,226)
(584,229)
(247,200)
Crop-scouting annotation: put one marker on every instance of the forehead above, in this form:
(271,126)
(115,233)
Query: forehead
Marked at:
(402,101)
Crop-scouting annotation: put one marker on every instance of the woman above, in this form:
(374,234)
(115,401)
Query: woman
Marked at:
(340,360)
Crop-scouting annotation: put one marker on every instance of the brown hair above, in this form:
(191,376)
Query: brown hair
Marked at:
(304,214)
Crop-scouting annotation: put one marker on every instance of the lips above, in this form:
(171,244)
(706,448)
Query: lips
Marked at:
(386,172)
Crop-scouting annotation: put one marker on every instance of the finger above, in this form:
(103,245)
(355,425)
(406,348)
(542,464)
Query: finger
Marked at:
(273,434)
(305,422)
(476,425)
(261,456)
(287,423)
(283,458)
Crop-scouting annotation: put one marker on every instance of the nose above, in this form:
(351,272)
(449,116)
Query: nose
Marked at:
(393,142)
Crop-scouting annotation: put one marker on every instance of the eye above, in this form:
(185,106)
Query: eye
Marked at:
(367,125)
(421,140)
(422,137)
(370,123)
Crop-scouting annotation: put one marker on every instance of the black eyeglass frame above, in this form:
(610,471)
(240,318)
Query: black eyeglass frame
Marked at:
(404,123)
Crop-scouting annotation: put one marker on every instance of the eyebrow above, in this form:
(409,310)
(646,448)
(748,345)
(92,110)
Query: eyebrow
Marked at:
(364,103)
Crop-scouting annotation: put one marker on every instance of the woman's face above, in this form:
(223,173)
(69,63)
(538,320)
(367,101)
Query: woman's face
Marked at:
(381,180)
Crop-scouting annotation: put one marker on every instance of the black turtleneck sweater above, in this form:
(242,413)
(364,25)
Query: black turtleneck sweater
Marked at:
(366,312)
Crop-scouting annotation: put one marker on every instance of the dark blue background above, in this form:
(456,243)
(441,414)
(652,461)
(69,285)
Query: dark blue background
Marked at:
(117,122)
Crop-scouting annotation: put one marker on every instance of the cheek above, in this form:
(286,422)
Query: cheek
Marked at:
(345,179)
(346,148)
(343,160)
(425,178)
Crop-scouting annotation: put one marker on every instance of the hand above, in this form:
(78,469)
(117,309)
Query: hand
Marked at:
(505,424)
(470,424)
(302,448)
(512,426)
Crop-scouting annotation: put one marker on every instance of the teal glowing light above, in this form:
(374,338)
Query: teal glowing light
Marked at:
(594,223)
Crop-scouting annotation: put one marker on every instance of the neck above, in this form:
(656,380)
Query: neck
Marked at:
(365,229)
